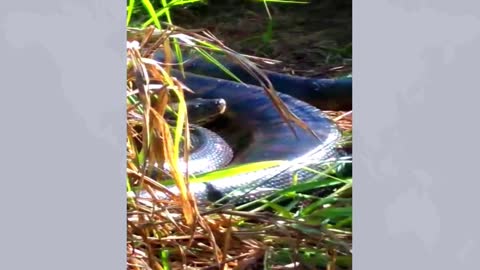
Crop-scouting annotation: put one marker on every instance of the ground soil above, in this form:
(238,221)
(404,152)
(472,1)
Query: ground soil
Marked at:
(310,39)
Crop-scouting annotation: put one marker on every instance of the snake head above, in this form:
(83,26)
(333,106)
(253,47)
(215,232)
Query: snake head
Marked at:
(201,110)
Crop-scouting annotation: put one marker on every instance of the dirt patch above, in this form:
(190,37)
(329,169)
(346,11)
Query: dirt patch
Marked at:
(310,39)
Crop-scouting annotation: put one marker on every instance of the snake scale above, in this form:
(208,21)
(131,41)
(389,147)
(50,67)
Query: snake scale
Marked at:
(250,111)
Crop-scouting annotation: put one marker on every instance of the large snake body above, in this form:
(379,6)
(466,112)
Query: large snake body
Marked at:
(251,112)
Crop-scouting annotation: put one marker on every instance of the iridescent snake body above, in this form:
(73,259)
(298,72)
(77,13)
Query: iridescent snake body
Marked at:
(251,112)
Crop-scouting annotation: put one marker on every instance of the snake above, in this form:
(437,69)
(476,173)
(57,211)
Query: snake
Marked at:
(334,94)
(251,117)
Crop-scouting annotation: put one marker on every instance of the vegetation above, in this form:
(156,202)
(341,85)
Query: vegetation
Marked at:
(303,225)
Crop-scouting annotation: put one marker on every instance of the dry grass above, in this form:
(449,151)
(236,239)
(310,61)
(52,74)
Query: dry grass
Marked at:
(223,244)
(343,119)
